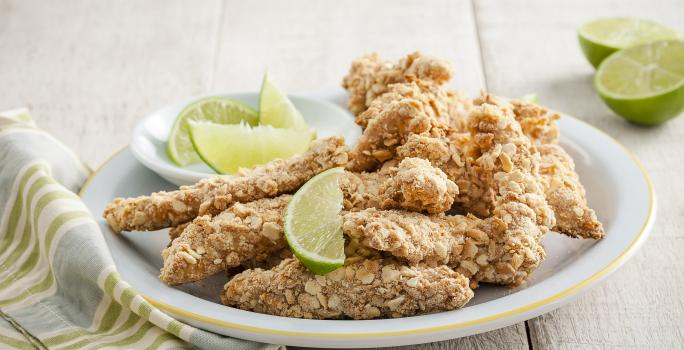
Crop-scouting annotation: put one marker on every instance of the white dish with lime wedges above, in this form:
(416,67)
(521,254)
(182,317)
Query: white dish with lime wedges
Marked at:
(217,134)
(617,188)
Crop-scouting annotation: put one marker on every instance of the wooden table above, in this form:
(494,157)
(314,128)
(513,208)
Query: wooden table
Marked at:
(91,69)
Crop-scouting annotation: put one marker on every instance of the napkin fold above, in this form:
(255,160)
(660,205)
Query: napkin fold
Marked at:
(59,288)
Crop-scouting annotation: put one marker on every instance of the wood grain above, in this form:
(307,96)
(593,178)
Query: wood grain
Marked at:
(310,44)
(90,70)
(531,46)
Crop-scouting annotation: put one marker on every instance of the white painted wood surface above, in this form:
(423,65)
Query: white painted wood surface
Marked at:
(90,69)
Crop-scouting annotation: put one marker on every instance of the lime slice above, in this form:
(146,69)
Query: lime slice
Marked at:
(229,147)
(529,98)
(600,38)
(214,109)
(276,109)
(313,224)
(644,84)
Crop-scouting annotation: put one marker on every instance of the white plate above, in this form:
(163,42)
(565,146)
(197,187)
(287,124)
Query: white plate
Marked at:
(617,187)
(148,142)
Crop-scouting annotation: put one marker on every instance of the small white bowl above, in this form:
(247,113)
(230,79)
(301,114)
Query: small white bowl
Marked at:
(148,143)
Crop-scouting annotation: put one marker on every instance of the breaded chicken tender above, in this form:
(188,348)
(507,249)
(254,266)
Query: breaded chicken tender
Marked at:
(253,231)
(242,233)
(213,195)
(406,109)
(370,76)
(360,290)
(562,185)
(504,248)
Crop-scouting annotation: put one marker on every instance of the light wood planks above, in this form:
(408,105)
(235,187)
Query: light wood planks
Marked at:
(90,70)
(309,44)
(531,46)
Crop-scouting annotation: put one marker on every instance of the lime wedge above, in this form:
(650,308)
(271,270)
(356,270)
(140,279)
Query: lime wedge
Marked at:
(276,109)
(313,224)
(214,109)
(229,147)
(600,38)
(529,98)
(644,84)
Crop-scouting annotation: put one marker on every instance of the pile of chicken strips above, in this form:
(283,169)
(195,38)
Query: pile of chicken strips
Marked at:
(441,193)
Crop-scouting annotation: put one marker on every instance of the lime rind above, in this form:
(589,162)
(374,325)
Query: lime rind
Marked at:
(313,224)
(215,109)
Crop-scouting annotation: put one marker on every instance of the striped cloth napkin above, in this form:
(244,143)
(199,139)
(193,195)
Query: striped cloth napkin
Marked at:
(59,288)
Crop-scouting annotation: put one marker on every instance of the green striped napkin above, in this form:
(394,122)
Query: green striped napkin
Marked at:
(59,288)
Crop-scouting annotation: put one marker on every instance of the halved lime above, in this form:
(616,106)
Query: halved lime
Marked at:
(214,109)
(276,109)
(600,38)
(229,147)
(644,84)
(313,224)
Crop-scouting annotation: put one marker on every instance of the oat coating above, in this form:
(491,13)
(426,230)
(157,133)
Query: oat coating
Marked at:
(360,290)
(213,195)
(370,76)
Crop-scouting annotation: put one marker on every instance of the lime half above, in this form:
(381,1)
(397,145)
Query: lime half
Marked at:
(229,147)
(644,84)
(276,109)
(313,223)
(214,109)
(600,38)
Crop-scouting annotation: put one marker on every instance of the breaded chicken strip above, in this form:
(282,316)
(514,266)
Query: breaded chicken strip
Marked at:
(361,290)
(254,230)
(562,185)
(406,109)
(213,195)
(566,195)
(370,76)
(504,248)
(241,233)
(414,184)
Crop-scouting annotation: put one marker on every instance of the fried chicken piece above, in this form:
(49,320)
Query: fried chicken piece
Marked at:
(538,123)
(504,248)
(242,233)
(414,184)
(213,195)
(176,231)
(562,185)
(362,290)
(457,154)
(566,195)
(254,230)
(459,106)
(406,109)
(370,76)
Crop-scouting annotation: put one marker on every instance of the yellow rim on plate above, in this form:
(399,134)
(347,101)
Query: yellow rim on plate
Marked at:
(579,286)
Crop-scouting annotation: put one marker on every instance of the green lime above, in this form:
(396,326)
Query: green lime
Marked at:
(644,84)
(600,38)
(229,147)
(214,109)
(313,224)
(529,98)
(276,109)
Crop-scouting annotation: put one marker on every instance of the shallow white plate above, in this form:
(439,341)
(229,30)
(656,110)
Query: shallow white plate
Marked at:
(148,141)
(617,187)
